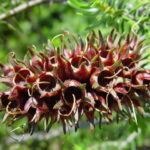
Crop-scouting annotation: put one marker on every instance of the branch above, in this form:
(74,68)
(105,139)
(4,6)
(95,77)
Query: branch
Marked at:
(39,136)
(122,144)
(23,7)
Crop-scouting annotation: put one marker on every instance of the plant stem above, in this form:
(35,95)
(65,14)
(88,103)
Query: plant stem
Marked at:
(23,7)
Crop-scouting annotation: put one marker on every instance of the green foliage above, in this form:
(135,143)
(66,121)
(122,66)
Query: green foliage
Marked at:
(131,15)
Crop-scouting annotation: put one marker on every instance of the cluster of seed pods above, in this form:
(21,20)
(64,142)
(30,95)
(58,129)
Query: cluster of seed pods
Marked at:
(63,84)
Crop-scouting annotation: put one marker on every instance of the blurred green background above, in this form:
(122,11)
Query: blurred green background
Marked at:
(34,27)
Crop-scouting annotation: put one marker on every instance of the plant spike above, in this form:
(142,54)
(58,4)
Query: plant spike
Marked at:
(61,84)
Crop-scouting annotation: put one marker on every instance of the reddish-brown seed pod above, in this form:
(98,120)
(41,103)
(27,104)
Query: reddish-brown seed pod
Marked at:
(64,84)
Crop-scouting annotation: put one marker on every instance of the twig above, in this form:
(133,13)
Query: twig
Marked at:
(23,7)
(39,136)
(122,144)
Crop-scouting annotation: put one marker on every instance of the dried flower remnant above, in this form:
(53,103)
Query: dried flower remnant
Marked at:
(62,85)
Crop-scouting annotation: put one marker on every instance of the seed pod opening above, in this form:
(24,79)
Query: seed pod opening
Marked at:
(21,76)
(73,90)
(47,82)
(105,77)
(77,61)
